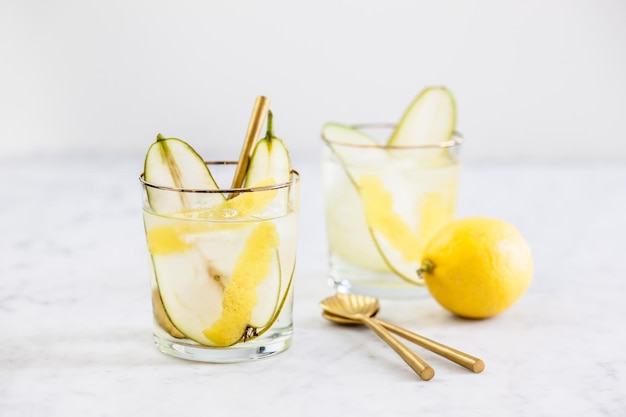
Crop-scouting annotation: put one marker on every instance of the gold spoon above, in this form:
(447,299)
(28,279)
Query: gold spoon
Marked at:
(360,309)
(465,360)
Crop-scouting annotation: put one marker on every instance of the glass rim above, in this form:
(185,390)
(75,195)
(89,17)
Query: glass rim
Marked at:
(455,140)
(295,175)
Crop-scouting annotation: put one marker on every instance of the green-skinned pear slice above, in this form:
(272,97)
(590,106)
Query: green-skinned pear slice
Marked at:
(270,164)
(270,160)
(354,148)
(171,162)
(161,316)
(429,120)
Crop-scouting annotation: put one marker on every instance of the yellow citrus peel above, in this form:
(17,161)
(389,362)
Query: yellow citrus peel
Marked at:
(240,298)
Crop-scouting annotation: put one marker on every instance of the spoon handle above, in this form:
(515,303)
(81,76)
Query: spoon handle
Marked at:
(411,358)
(465,360)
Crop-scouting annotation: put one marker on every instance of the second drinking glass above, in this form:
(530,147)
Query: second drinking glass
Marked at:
(382,204)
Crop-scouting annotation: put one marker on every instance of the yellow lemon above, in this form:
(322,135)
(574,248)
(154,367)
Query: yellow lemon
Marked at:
(477,267)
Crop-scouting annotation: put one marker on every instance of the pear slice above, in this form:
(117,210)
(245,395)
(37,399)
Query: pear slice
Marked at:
(354,148)
(270,164)
(191,292)
(270,159)
(171,162)
(161,316)
(429,120)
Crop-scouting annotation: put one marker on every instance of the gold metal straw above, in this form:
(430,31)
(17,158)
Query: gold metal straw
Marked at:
(259,113)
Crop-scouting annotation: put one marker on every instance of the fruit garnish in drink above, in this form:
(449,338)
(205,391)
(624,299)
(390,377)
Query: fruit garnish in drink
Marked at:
(429,120)
(270,159)
(400,231)
(171,162)
(477,267)
(218,263)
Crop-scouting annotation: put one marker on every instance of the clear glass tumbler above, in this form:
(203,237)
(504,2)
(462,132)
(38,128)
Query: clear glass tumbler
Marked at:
(382,204)
(222,269)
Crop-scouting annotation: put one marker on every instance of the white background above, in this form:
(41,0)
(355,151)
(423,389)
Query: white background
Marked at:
(533,79)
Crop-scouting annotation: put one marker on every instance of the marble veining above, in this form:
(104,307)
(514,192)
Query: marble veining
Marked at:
(75,320)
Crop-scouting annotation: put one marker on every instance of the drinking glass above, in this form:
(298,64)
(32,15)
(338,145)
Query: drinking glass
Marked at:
(382,204)
(222,269)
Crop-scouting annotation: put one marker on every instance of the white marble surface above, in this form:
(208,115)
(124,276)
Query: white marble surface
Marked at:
(75,321)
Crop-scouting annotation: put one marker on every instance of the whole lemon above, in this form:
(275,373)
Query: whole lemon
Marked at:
(477,267)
